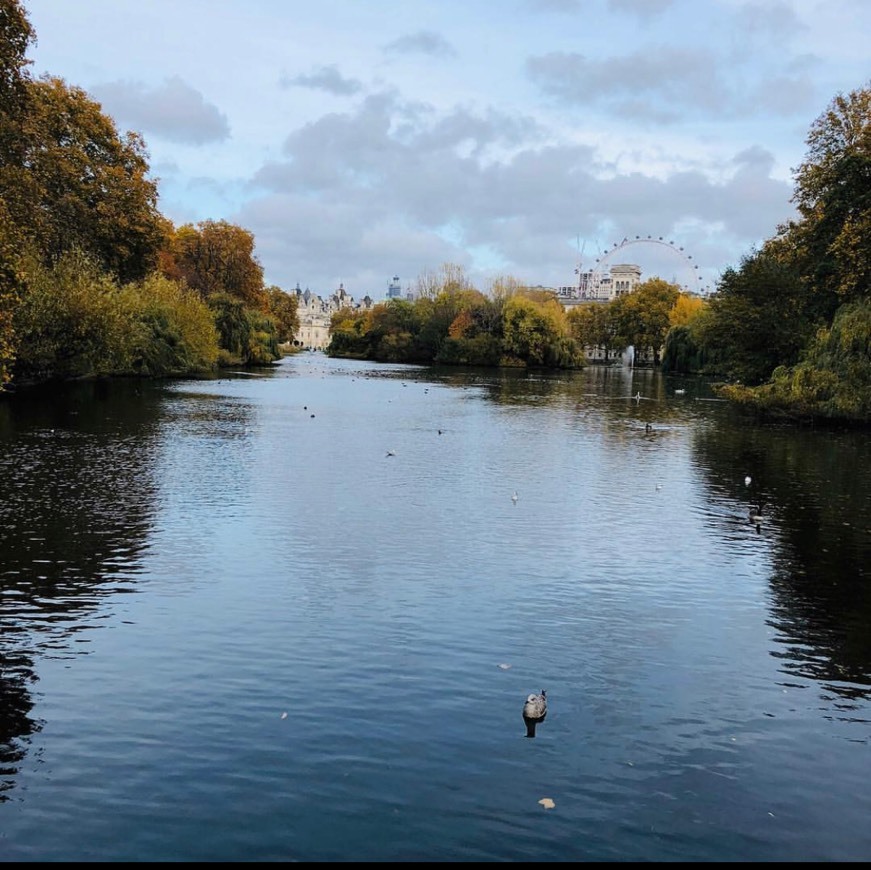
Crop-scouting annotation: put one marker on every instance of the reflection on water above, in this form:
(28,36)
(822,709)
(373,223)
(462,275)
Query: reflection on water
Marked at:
(814,487)
(341,607)
(75,504)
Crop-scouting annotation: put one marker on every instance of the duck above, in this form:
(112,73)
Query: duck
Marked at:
(755,517)
(534,711)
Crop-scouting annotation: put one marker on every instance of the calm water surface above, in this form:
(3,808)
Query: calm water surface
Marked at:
(232,627)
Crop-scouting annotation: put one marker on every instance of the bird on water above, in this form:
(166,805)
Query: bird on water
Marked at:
(534,711)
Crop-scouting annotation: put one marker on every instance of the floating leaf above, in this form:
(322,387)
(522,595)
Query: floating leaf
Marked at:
(547,803)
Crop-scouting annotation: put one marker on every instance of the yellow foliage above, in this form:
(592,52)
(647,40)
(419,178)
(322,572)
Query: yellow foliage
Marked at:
(685,310)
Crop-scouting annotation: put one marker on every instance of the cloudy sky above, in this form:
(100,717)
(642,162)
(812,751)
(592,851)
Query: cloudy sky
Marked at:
(361,139)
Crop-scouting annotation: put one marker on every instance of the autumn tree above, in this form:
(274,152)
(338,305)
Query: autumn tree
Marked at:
(217,257)
(686,309)
(591,325)
(535,332)
(81,185)
(283,309)
(11,287)
(16,35)
(641,318)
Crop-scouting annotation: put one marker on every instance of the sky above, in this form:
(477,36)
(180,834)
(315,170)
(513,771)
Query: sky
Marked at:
(359,140)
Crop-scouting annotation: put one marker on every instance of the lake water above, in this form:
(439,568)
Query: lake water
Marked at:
(293,615)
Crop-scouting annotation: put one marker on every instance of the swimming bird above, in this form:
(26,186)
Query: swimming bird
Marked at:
(679,392)
(534,711)
(391,453)
(747,480)
(514,496)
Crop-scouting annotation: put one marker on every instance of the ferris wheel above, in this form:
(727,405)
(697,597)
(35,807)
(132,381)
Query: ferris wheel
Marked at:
(670,258)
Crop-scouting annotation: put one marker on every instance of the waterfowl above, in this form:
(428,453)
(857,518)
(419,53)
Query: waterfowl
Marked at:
(534,711)
(755,517)
(514,496)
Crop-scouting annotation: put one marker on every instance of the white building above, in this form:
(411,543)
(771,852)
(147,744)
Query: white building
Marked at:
(593,286)
(315,312)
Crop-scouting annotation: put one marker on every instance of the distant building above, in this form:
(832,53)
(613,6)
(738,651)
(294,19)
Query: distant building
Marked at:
(315,312)
(394,288)
(592,286)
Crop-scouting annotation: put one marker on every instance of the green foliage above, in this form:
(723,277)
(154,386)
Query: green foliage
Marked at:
(479,350)
(176,334)
(262,339)
(756,320)
(348,334)
(591,325)
(682,354)
(831,244)
(71,322)
(833,381)
(536,333)
(642,318)
(248,336)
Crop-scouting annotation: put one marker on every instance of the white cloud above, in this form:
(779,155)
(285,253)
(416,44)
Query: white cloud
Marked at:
(173,110)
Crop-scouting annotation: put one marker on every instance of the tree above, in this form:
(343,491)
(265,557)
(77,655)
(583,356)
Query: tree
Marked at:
(641,317)
(175,332)
(686,309)
(80,185)
(12,282)
(535,332)
(756,319)
(832,381)
(832,240)
(71,322)
(16,35)
(217,257)
(283,309)
(591,325)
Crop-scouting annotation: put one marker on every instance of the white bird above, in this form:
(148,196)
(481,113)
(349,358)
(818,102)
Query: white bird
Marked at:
(679,392)
(514,496)
(391,453)
(747,480)
(534,711)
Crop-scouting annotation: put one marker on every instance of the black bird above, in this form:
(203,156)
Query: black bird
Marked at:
(534,711)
